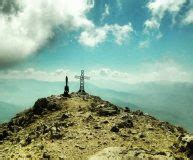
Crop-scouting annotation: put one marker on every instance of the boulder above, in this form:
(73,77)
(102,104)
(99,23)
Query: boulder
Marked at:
(44,104)
(39,105)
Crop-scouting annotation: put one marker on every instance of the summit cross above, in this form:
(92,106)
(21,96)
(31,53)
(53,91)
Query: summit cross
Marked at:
(82,77)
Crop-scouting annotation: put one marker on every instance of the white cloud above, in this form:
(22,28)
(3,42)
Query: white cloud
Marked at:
(31,73)
(94,36)
(144,44)
(188,19)
(121,33)
(26,31)
(159,35)
(106,12)
(156,72)
(158,9)
(151,24)
(165,70)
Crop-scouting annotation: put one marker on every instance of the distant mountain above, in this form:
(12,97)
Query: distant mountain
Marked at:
(7,111)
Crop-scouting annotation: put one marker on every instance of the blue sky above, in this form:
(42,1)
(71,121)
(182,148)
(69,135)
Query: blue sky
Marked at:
(133,40)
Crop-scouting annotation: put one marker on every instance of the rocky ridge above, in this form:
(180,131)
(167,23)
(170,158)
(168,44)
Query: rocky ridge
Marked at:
(87,127)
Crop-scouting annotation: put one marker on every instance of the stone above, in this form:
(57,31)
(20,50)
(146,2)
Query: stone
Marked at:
(114,129)
(127,109)
(55,133)
(28,156)
(125,124)
(40,146)
(150,128)
(61,157)
(186,145)
(108,111)
(104,122)
(97,127)
(64,117)
(181,130)
(139,113)
(133,132)
(46,155)
(3,135)
(26,141)
(90,118)
(80,147)
(141,135)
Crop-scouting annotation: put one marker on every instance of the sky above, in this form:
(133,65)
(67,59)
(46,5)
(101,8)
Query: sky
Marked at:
(127,41)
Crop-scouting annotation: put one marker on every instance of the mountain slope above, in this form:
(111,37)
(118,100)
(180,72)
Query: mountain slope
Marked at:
(87,127)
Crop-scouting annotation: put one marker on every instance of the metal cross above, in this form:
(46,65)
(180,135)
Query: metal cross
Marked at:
(82,78)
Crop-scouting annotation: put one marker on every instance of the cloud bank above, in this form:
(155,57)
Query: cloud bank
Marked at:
(158,71)
(26,26)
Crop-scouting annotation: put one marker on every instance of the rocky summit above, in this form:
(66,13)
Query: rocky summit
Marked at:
(87,127)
